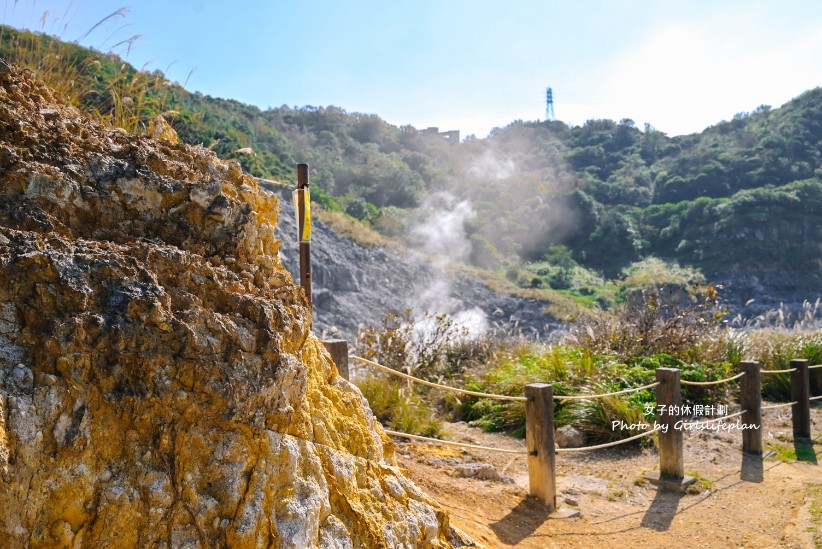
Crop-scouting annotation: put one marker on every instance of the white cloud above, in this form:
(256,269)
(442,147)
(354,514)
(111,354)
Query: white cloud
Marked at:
(687,77)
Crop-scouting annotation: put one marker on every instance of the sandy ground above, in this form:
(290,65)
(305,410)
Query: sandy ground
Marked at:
(737,502)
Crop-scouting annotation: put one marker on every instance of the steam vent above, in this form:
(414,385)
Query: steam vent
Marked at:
(159,382)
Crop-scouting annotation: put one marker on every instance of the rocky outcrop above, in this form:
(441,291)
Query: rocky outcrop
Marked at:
(160,384)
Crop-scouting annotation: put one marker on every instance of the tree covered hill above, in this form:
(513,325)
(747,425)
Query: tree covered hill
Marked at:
(743,195)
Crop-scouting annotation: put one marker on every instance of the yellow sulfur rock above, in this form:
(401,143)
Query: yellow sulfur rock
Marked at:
(160,129)
(159,382)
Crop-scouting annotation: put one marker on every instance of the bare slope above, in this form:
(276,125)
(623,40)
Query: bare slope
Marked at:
(355,285)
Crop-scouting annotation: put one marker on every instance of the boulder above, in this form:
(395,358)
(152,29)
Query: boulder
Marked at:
(569,436)
(160,384)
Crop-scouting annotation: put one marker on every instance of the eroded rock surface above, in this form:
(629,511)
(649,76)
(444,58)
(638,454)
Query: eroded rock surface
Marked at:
(159,382)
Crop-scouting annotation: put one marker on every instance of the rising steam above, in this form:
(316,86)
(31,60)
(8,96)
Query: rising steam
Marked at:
(439,231)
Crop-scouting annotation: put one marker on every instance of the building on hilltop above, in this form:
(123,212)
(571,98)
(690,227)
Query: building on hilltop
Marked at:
(452,136)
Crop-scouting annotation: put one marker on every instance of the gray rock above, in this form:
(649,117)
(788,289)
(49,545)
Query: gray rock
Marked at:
(481,471)
(572,501)
(569,436)
(20,378)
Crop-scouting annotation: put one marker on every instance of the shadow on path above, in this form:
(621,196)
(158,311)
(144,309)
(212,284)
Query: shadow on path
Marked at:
(662,511)
(804,450)
(752,468)
(521,522)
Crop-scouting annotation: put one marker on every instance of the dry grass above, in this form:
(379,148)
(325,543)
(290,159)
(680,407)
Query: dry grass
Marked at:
(348,226)
(557,305)
(654,322)
(61,66)
(130,99)
(135,97)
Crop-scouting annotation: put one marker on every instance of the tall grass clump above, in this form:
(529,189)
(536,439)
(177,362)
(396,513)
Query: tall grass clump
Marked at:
(397,406)
(616,350)
(432,346)
(437,348)
(63,67)
(670,321)
(133,98)
(101,84)
(805,319)
(775,348)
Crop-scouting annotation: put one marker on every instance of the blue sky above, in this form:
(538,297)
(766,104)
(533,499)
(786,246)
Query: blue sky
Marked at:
(469,65)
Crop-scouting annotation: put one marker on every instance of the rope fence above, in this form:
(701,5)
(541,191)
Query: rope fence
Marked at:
(450,443)
(777,406)
(539,403)
(717,382)
(610,444)
(435,385)
(592,397)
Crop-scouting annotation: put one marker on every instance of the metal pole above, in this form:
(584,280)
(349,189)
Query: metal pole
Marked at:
(304,228)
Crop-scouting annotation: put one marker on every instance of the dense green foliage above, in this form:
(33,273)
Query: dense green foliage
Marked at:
(599,196)
(609,352)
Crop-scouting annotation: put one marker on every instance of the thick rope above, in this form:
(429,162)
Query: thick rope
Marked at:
(789,370)
(722,417)
(816,397)
(622,392)
(435,385)
(814,366)
(490,395)
(609,444)
(717,382)
(775,406)
(449,443)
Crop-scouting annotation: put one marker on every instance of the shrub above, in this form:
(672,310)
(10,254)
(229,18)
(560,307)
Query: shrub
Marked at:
(655,322)
(432,346)
(397,406)
(594,417)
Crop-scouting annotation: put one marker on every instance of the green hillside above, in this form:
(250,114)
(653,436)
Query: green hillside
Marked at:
(556,205)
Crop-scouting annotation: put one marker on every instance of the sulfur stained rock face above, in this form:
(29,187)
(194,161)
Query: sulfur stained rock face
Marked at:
(159,382)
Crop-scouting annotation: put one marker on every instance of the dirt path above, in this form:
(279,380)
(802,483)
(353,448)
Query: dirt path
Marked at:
(775,502)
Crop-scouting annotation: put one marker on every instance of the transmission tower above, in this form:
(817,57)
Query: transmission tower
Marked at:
(549,104)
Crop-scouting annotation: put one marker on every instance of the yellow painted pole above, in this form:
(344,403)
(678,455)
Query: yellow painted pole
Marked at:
(303,199)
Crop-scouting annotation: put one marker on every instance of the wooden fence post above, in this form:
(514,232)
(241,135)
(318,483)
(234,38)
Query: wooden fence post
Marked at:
(339,354)
(539,439)
(304,228)
(801,393)
(669,412)
(750,399)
